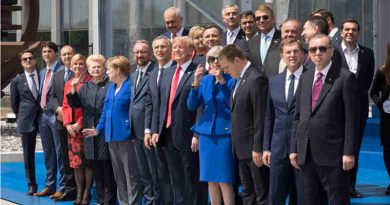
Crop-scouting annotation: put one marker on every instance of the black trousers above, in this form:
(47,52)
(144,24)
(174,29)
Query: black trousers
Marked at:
(69,181)
(105,182)
(316,178)
(29,141)
(255,182)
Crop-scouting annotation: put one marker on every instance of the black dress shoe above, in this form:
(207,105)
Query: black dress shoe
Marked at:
(31,190)
(388,190)
(355,194)
(67,196)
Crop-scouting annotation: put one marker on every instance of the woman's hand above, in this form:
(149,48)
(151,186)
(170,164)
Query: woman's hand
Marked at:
(73,84)
(70,130)
(217,73)
(199,72)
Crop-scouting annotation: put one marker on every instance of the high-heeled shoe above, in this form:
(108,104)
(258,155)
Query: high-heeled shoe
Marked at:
(86,200)
(79,198)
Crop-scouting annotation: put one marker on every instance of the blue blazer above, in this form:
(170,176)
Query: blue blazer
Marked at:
(42,75)
(215,119)
(114,119)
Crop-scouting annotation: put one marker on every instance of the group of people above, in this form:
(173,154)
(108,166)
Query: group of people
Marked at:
(249,106)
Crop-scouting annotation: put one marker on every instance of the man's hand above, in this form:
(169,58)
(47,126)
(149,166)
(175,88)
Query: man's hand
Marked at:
(59,114)
(267,158)
(155,139)
(90,132)
(194,144)
(148,140)
(348,162)
(257,158)
(294,160)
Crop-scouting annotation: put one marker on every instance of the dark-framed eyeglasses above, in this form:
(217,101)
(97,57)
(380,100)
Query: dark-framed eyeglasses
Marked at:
(265,18)
(212,59)
(322,49)
(28,58)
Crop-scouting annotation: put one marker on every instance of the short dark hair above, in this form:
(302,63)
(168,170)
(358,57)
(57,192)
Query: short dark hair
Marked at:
(321,23)
(212,26)
(289,41)
(324,13)
(50,45)
(230,52)
(26,51)
(247,13)
(350,20)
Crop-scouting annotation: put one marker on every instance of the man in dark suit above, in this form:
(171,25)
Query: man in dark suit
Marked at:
(211,38)
(248,24)
(174,23)
(67,189)
(51,141)
(174,123)
(248,105)
(263,50)
(325,127)
(233,34)
(360,61)
(278,123)
(24,103)
(162,49)
(139,81)
(334,32)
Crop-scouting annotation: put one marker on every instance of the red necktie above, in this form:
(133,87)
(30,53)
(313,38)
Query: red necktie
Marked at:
(172,94)
(45,88)
(316,90)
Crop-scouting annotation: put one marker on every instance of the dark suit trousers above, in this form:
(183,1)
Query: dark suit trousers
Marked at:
(183,169)
(29,141)
(163,177)
(284,180)
(148,172)
(105,182)
(255,182)
(315,178)
(68,183)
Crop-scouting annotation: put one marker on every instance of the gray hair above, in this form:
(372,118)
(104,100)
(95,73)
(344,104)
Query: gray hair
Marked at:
(214,50)
(230,5)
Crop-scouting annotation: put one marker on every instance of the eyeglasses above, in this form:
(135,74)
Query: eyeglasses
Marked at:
(212,59)
(322,49)
(265,18)
(28,58)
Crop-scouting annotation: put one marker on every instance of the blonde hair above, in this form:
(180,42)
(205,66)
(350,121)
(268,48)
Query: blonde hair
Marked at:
(195,30)
(265,8)
(187,40)
(97,58)
(75,58)
(120,63)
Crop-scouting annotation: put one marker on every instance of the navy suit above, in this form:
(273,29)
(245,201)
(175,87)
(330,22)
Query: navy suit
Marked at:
(321,137)
(277,134)
(168,33)
(364,76)
(183,164)
(51,141)
(26,109)
(146,158)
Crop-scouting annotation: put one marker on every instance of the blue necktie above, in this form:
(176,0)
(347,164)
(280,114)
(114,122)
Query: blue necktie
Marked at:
(263,48)
(290,94)
(67,74)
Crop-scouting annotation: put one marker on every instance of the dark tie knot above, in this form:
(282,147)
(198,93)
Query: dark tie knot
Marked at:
(292,77)
(31,74)
(319,75)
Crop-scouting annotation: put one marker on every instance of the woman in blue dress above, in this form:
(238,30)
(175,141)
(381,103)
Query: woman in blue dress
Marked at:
(212,93)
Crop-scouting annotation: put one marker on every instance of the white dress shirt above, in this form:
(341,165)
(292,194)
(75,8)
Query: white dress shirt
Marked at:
(297,75)
(352,57)
(29,80)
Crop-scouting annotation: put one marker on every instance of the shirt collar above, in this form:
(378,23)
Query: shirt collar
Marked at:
(269,34)
(143,69)
(344,47)
(52,66)
(167,65)
(28,73)
(185,65)
(235,31)
(297,73)
(323,71)
(179,33)
(332,32)
(244,69)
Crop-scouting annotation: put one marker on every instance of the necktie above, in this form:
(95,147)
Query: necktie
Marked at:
(45,88)
(290,94)
(263,48)
(172,94)
(230,39)
(34,88)
(316,90)
(66,76)
(236,86)
(139,80)
(159,76)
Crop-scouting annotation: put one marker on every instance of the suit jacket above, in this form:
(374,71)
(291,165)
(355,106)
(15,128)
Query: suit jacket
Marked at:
(138,102)
(168,33)
(114,120)
(215,119)
(336,39)
(24,105)
(56,95)
(330,131)
(240,40)
(364,74)
(248,112)
(42,73)
(182,118)
(272,60)
(279,117)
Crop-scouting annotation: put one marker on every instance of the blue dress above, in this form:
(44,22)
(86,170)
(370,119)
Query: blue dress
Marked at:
(217,163)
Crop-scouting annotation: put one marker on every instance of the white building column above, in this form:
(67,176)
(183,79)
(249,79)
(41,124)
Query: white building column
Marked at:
(56,21)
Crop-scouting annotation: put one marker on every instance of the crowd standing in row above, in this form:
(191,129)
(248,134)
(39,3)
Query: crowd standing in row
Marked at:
(248,106)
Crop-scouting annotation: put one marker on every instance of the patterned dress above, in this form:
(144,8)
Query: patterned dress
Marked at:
(71,116)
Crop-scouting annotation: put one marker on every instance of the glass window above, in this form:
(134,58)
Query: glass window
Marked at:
(44,15)
(75,14)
